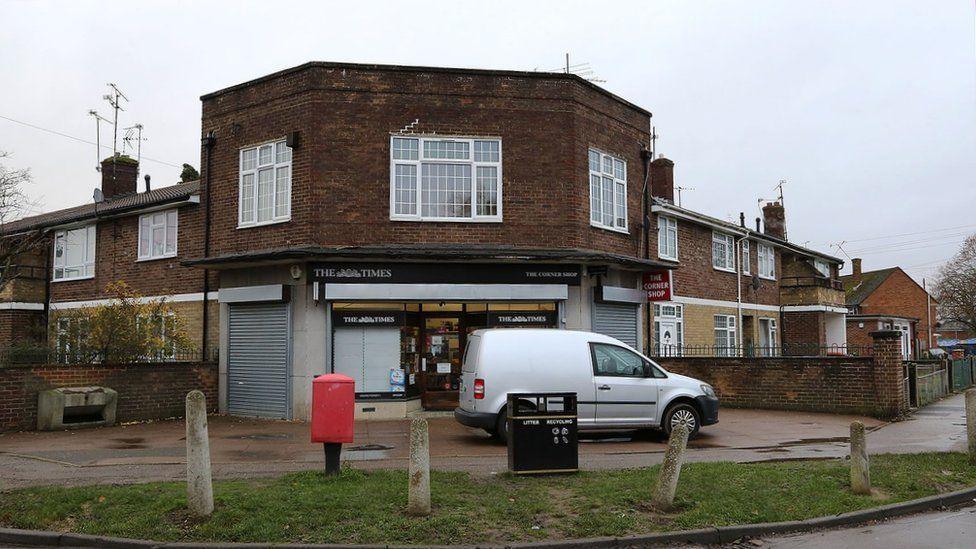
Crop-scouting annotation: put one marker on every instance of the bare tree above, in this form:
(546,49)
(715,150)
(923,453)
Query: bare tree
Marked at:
(955,286)
(13,205)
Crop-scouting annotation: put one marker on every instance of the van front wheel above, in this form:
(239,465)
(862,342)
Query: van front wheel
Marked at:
(681,413)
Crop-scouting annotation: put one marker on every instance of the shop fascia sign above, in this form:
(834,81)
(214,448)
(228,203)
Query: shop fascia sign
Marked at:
(445,273)
(657,285)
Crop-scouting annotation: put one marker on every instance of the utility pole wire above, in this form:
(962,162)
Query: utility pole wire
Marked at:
(80,140)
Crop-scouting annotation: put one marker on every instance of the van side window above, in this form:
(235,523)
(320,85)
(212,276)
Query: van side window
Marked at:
(611,360)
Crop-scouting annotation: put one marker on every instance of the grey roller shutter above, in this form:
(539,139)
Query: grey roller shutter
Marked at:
(257,360)
(617,320)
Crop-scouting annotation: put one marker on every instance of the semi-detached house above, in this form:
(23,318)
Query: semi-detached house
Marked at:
(364,219)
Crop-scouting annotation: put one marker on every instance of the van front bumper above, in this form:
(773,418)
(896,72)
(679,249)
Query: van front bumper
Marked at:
(709,408)
(478,420)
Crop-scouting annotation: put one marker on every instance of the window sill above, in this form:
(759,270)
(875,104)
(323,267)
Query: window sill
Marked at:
(75,279)
(448,219)
(723,269)
(767,277)
(160,258)
(264,223)
(666,258)
(621,230)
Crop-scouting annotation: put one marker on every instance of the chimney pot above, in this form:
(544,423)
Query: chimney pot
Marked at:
(120,174)
(148,186)
(662,179)
(758,225)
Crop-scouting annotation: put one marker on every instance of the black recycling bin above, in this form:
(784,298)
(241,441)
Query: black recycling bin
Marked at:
(542,433)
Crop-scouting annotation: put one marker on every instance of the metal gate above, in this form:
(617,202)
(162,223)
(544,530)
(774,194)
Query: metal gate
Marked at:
(617,320)
(257,360)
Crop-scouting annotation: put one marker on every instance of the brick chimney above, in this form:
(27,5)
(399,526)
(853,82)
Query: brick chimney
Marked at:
(774,219)
(119,176)
(662,179)
(856,268)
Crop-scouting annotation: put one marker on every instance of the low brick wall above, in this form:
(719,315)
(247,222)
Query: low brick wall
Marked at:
(852,385)
(146,391)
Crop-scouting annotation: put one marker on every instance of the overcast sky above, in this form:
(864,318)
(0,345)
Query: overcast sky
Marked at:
(866,108)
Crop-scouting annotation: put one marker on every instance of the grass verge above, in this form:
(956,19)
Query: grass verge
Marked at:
(367,507)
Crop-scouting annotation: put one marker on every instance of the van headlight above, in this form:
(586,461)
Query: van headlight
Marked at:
(707,389)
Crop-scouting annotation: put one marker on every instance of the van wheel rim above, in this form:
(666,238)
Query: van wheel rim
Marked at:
(683,417)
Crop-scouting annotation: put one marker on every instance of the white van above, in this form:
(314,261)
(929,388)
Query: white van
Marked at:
(616,387)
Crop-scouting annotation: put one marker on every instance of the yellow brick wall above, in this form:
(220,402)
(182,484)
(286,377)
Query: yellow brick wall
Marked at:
(699,323)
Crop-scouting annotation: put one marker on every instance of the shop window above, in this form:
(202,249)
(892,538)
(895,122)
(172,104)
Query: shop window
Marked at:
(608,191)
(445,179)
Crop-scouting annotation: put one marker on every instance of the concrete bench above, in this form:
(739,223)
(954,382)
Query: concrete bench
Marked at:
(75,408)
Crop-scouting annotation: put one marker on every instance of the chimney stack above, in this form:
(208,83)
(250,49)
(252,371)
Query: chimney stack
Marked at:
(856,268)
(662,179)
(774,218)
(119,176)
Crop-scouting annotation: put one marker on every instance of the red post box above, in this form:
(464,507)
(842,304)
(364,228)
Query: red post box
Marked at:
(333,408)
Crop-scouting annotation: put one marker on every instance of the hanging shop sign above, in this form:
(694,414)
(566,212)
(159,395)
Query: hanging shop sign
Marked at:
(445,273)
(657,285)
(516,318)
(368,318)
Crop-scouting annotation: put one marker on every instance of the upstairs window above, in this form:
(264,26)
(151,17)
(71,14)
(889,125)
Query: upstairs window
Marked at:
(723,254)
(767,261)
(667,238)
(74,253)
(445,179)
(746,257)
(157,235)
(608,191)
(265,186)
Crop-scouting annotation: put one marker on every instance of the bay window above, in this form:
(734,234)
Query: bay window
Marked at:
(608,191)
(667,238)
(445,179)
(265,185)
(157,235)
(74,253)
(723,252)
(767,262)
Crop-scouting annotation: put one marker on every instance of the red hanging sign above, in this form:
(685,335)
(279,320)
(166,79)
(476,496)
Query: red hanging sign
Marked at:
(657,285)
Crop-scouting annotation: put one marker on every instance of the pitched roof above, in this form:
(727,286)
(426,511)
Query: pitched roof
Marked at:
(113,206)
(857,290)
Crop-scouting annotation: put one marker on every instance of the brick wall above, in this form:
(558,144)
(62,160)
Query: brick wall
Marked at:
(900,295)
(341,169)
(146,391)
(853,385)
(20,327)
(803,329)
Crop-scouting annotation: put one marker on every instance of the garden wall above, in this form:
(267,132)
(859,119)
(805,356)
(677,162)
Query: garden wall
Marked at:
(145,391)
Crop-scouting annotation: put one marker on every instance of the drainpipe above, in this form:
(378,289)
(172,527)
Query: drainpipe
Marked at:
(208,143)
(738,288)
(646,157)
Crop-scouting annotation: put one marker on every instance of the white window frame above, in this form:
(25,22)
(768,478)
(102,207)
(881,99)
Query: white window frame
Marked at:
(767,261)
(87,266)
(274,166)
(67,348)
(731,342)
(818,263)
(167,321)
(746,259)
(617,182)
(668,310)
(147,254)
(667,227)
(420,161)
(771,336)
(728,241)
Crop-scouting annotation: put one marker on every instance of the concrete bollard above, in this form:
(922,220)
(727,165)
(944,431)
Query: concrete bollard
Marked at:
(199,482)
(667,478)
(971,424)
(418,490)
(860,465)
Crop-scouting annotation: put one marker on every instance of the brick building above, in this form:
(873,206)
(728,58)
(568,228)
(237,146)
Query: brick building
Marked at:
(135,237)
(889,299)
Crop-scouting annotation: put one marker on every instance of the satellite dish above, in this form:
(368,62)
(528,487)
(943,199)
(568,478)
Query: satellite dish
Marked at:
(98,195)
(756,283)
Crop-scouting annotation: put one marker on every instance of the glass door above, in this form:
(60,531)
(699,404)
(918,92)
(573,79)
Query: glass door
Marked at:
(442,362)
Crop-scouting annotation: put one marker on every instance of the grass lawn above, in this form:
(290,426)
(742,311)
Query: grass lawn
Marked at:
(367,507)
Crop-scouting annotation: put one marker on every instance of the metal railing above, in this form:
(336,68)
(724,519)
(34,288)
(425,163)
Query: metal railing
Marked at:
(931,383)
(788,350)
(810,281)
(41,356)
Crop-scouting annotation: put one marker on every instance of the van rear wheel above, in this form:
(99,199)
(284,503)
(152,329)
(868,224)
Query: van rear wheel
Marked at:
(501,426)
(681,414)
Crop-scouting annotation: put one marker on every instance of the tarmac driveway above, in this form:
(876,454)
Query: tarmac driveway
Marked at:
(154,451)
